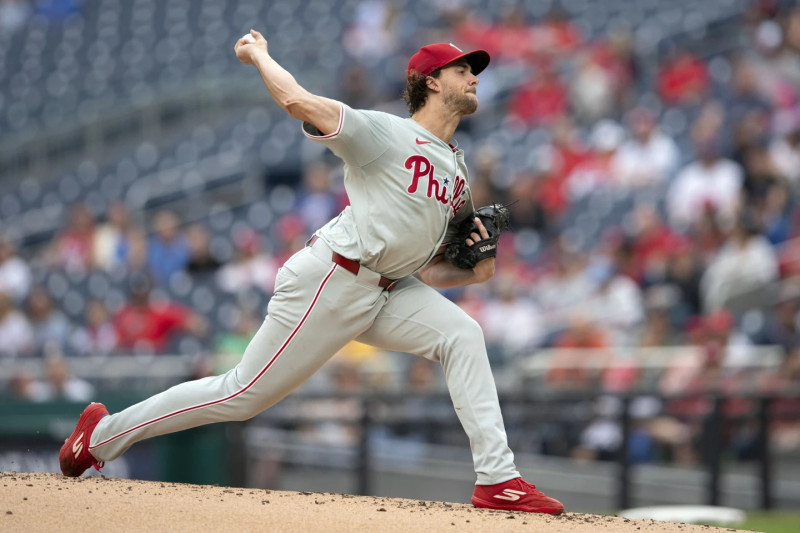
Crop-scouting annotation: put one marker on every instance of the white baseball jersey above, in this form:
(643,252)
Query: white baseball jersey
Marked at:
(393,165)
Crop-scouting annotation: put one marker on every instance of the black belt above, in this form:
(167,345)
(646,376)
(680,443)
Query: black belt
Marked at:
(353,266)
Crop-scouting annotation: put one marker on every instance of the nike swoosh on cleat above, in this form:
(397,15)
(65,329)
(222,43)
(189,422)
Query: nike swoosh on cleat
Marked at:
(77,446)
(510,495)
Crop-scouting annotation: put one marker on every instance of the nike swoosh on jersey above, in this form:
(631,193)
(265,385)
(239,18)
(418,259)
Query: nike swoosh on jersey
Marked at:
(422,142)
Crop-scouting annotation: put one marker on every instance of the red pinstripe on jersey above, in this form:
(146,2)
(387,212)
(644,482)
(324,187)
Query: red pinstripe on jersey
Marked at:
(246,387)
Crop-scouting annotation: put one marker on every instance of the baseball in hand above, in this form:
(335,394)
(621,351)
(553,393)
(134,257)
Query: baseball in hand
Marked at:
(247,38)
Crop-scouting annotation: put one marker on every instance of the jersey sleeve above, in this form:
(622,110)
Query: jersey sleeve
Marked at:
(360,138)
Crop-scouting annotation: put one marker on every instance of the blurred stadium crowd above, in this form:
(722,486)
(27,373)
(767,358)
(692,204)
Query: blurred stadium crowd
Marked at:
(651,151)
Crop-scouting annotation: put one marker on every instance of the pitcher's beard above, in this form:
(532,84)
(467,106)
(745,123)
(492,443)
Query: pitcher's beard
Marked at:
(461,103)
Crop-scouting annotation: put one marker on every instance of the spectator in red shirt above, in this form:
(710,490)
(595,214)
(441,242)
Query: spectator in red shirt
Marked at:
(143,325)
(683,79)
(541,100)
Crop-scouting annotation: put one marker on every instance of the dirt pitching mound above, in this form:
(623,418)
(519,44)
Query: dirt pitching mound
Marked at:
(51,502)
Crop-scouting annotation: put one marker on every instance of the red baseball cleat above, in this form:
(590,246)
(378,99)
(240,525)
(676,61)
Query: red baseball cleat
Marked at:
(515,495)
(74,455)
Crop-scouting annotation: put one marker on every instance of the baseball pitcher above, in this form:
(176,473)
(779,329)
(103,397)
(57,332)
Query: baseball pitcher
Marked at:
(368,275)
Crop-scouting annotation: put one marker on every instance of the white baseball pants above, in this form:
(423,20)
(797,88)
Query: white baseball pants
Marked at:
(317,308)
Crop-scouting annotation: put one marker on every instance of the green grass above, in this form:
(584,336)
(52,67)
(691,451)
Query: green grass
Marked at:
(775,522)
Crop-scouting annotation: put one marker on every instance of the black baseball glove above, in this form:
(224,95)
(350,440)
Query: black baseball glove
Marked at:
(495,218)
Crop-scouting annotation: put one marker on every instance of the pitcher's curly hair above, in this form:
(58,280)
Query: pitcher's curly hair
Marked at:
(416,92)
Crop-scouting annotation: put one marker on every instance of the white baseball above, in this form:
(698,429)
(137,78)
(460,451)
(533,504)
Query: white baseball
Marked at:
(248,38)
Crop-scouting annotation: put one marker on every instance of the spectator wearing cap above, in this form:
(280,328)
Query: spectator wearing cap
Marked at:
(145,325)
(15,274)
(648,157)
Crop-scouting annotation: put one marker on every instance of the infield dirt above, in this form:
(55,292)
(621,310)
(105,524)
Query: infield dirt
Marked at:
(51,502)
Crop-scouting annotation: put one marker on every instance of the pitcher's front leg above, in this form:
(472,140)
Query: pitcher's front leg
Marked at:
(419,320)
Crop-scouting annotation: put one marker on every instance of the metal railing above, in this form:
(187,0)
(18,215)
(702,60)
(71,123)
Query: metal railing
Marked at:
(362,458)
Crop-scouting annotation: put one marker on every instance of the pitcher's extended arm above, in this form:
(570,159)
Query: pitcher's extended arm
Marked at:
(321,112)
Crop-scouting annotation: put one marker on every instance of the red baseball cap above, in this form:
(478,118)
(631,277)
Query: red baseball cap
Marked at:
(437,55)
